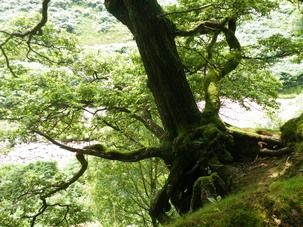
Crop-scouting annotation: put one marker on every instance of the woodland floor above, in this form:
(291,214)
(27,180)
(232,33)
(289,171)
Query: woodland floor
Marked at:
(267,191)
(261,171)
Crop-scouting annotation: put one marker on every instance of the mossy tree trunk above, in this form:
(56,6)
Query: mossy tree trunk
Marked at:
(154,36)
(196,141)
(195,146)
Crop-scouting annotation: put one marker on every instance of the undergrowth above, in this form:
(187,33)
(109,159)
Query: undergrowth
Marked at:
(269,192)
(278,204)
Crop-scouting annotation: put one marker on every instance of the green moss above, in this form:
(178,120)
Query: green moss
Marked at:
(209,118)
(231,211)
(251,132)
(198,142)
(284,201)
(289,186)
(292,131)
(96,147)
(281,201)
(210,131)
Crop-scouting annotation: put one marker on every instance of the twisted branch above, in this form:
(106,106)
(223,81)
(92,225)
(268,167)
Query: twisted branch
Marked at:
(59,187)
(99,151)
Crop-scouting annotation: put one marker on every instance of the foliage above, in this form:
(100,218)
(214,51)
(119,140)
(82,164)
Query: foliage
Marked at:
(124,199)
(21,188)
(253,80)
(66,15)
(248,83)
(54,99)
(86,93)
(277,42)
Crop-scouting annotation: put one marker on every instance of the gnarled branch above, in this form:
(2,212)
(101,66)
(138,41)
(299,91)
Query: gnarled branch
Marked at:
(133,156)
(65,185)
(59,187)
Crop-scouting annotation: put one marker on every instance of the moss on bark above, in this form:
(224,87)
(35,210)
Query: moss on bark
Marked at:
(207,188)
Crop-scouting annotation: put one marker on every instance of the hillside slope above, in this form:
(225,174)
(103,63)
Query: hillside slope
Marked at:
(266,191)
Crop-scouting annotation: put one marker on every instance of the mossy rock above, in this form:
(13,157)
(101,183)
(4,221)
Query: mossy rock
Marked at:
(207,187)
(292,131)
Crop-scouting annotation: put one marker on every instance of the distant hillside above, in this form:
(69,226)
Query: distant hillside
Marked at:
(93,25)
(65,14)
(87,18)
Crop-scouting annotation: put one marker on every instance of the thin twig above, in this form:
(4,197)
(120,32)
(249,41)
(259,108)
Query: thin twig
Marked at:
(189,10)
(7,62)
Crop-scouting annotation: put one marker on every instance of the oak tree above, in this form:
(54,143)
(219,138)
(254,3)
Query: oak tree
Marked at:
(196,146)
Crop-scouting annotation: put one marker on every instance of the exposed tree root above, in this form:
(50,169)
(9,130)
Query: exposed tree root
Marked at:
(277,152)
(248,145)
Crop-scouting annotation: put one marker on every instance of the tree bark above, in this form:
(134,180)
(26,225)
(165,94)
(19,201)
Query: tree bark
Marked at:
(193,141)
(154,36)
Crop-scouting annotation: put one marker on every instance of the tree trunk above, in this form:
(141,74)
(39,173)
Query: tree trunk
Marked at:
(192,147)
(154,36)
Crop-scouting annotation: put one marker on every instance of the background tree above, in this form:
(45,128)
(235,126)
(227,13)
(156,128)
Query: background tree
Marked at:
(28,189)
(124,200)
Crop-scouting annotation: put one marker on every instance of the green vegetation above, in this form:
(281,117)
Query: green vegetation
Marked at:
(282,203)
(77,76)
(232,211)
(23,189)
(89,36)
(124,199)
(268,192)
